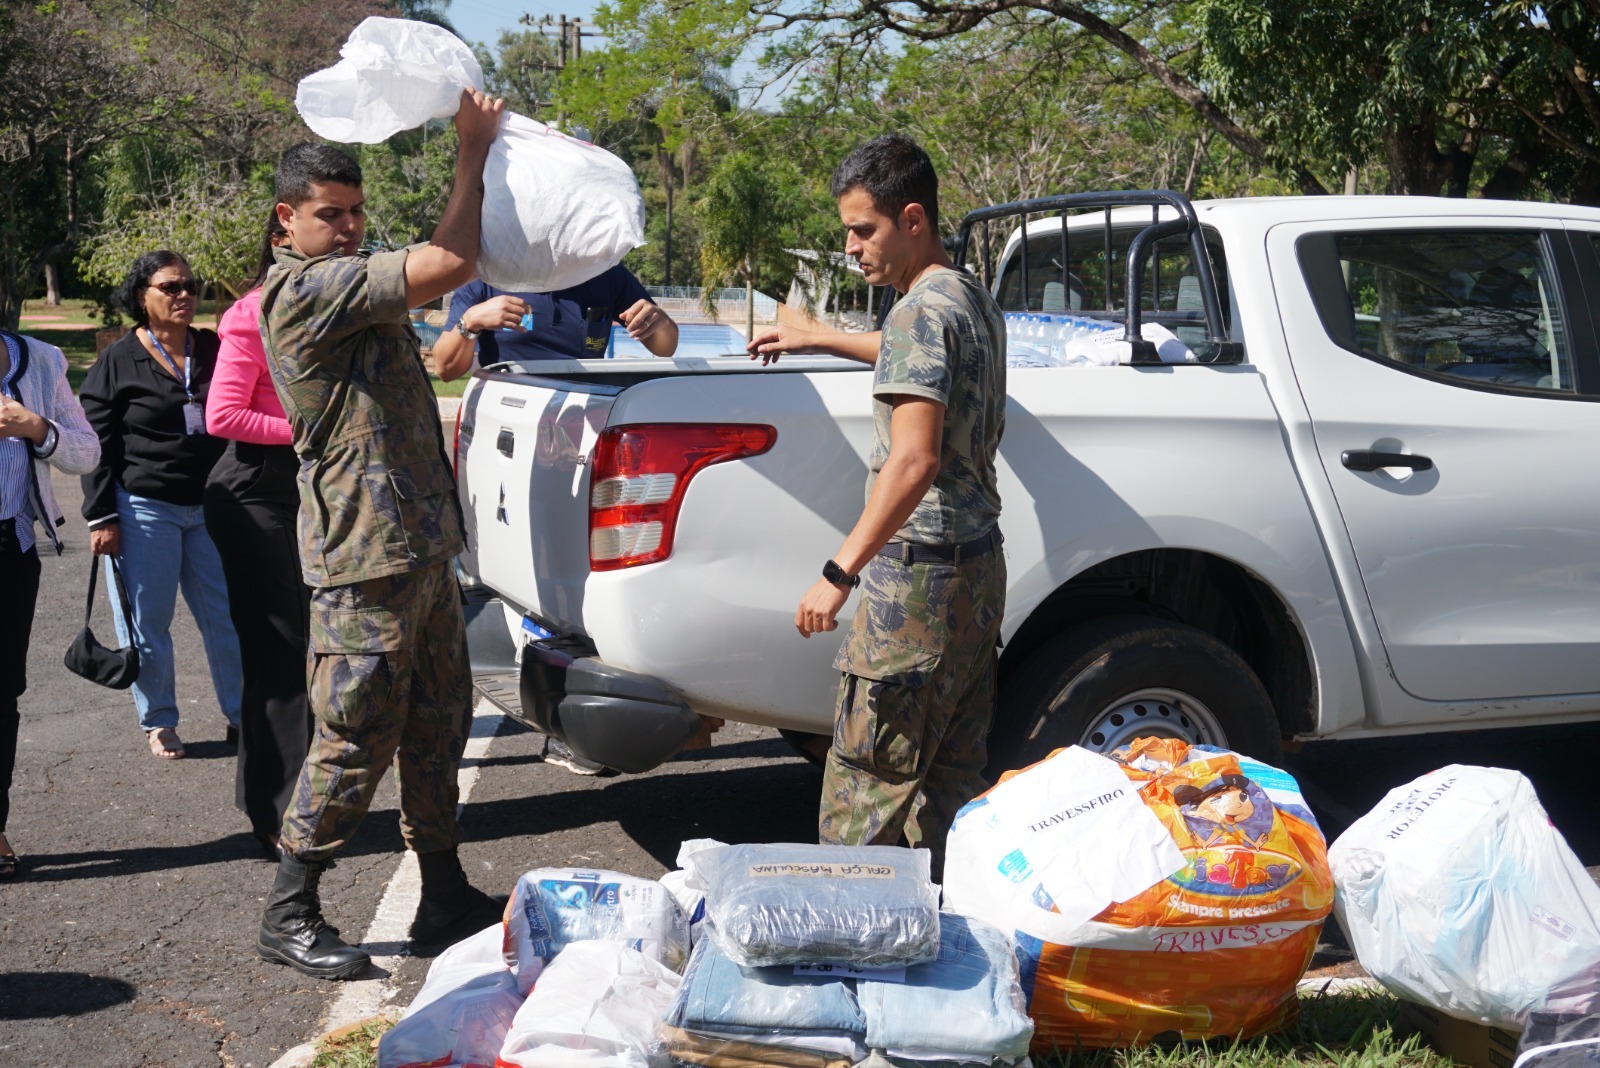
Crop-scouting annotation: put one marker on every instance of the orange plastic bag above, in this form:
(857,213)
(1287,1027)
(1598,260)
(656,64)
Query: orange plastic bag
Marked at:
(1213,949)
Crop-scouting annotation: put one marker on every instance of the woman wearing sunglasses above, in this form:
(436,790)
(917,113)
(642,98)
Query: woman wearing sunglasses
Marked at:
(145,397)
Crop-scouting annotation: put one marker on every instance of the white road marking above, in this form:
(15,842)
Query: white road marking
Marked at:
(386,937)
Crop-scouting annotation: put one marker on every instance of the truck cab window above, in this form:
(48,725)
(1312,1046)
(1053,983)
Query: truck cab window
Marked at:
(1171,294)
(1479,306)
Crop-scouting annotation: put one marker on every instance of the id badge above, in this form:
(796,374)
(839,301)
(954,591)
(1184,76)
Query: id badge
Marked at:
(194,418)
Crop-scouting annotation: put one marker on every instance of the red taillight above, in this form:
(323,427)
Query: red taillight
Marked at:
(638,477)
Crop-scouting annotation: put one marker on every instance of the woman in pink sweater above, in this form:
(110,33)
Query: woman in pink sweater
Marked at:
(250,504)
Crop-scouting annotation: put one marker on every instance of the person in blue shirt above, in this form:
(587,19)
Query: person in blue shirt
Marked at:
(567,324)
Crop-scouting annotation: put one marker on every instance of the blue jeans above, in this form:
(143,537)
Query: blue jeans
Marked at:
(969,1001)
(719,996)
(165,546)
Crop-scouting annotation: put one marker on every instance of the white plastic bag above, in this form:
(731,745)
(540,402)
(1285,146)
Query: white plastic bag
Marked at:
(1456,892)
(462,1013)
(597,1005)
(554,907)
(394,75)
(556,211)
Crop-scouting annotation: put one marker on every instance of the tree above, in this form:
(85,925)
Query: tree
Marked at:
(66,91)
(1448,96)
(747,211)
(523,70)
(214,221)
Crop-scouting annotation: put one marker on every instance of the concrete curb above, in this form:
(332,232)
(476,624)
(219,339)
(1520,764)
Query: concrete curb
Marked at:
(1362,984)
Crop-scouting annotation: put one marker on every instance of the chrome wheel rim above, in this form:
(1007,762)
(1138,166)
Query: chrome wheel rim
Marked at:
(1158,712)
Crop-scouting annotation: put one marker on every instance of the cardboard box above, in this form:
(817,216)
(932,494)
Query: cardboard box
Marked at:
(1473,1044)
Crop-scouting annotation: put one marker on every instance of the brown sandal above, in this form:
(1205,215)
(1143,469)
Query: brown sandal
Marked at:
(165,744)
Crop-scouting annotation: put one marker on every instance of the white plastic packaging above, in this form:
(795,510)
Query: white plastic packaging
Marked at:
(557,211)
(597,1005)
(554,907)
(462,1013)
(1059,340)
(1456,892)
(872,906)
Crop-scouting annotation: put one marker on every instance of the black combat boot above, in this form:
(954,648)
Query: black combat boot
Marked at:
(293,931)
(451,908)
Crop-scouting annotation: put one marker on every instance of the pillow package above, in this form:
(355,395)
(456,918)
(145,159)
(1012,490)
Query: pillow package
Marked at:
(871,906)
(557,211)
(552,907)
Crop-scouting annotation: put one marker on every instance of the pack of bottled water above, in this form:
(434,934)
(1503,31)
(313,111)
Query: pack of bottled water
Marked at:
(1038,339)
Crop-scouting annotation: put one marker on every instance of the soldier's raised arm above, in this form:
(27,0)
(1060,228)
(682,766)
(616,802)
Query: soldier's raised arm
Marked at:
(450,259)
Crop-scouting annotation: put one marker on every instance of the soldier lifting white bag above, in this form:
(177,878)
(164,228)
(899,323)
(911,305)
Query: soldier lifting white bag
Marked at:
(557,211)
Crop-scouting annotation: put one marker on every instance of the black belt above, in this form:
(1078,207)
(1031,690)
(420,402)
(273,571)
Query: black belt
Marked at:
(910,552)
(8,536)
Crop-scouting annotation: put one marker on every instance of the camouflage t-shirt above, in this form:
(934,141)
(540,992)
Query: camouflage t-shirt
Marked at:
(946,340)
(376,493)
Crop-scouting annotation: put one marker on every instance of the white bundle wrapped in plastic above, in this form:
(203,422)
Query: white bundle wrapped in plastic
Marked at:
(783,903)
(1455,891)
(553,907)
(556,210)
(462,1013)
(597,1005)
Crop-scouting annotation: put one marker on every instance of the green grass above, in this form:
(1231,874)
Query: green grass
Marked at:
(1347,1030)
(77,345)
(355,1047)
(449,389)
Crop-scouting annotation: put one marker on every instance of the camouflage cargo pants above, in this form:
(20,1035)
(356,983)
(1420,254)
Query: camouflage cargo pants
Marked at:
(916,699)
(389,682)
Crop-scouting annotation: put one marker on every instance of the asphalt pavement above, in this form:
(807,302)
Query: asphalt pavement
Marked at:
(128,942)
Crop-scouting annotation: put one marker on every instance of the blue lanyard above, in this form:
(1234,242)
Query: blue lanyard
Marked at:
(187,362)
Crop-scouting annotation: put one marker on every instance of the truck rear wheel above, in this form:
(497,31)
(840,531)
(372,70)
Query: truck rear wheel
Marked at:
(1107,681)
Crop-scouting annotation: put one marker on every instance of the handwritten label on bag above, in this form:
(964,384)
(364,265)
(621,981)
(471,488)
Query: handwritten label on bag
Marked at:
(822,871)
(1079,804)
(852,971)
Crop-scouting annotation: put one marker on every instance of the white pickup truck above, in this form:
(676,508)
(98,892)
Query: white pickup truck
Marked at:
(1371,505)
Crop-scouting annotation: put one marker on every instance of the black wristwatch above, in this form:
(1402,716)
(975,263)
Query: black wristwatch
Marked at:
(835,574)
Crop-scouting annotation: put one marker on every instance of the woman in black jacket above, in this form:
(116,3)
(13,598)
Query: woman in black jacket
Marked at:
(145,398)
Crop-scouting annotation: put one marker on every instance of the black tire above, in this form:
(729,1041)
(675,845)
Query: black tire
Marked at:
(1107,680)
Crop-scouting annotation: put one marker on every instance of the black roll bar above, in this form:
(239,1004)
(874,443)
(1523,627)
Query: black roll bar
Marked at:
(1220,348)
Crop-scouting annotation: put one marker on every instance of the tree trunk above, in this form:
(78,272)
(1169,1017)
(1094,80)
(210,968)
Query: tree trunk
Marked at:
(749,300)
(1416,167)
(667,281)
(52,285)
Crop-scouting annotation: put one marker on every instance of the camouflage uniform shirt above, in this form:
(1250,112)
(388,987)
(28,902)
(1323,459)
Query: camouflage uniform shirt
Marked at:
(946,340)
(377,496)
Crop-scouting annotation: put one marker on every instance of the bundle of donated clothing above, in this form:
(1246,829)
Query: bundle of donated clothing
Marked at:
(1166,888)
(1457,892)
(557,211)
(820,956)
(808,957)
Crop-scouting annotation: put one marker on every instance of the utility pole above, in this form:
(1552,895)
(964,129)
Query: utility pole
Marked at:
(569,35)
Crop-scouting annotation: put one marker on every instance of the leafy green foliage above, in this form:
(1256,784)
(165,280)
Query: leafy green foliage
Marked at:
(748,210)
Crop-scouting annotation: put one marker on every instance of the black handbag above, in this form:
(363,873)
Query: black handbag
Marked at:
(87,658)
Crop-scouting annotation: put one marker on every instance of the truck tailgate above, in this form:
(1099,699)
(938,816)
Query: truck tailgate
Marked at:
(526,475)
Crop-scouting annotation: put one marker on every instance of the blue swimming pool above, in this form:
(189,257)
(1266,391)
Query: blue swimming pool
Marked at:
(694,339)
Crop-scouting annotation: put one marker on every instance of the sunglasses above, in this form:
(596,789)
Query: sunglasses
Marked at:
(172,289)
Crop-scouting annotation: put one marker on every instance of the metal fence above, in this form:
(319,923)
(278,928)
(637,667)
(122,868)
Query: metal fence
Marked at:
(687,302)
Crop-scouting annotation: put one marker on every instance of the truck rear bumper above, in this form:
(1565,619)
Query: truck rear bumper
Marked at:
(623,720)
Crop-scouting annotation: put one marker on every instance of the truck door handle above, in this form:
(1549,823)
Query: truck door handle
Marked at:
(1367,460)
(506,443)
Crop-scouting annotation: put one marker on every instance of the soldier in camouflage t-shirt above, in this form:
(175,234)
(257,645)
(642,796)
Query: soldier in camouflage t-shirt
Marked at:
(378,527)
(917,670)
